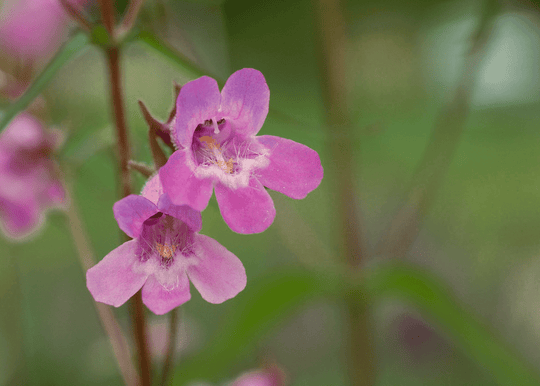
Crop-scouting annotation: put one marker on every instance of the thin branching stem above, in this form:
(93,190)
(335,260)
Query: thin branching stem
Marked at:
(130,17)
(76,15)
(87,260)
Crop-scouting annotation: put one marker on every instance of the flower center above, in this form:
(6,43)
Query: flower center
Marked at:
(211,145)
(166,251)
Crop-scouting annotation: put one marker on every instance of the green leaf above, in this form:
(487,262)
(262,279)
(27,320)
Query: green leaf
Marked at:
(71,49)
(439,306)
(257,310)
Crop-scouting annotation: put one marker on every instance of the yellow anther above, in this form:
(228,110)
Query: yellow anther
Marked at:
(226,166)
(166,251)
(210,143)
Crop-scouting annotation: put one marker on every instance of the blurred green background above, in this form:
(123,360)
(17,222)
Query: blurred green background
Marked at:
(480,240)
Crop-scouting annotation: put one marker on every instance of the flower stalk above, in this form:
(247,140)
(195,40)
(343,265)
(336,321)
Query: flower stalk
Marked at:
(123,154)
(123,151)
(332,41)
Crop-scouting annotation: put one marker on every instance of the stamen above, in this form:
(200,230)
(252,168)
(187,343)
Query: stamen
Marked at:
(216,128)
(214,147)
(166,251)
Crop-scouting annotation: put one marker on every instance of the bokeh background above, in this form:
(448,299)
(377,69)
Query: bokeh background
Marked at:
(480,239)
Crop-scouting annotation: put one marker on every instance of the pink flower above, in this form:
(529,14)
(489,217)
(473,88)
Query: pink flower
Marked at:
(31,29)
(166,249)
(272,376)
(219,149)
(29,182)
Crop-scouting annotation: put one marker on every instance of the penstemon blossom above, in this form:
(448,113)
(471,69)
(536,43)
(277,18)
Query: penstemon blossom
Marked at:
(29,177)
(31,29)
(166,249)
(218,149)
(272,376)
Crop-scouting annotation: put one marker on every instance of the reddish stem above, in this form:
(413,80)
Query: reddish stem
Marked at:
(123,150)
(107,15)
(124,153)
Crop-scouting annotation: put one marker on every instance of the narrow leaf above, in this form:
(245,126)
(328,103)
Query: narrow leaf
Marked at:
(71,49)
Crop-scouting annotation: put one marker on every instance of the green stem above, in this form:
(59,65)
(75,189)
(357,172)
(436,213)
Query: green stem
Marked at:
(332,39)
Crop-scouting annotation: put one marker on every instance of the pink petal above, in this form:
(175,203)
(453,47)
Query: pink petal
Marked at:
(182,212)
(33,28)
(152,189)
(131,212)
(219,274)
(113,281)
(20,219)
(246,210)
(245,99)
(198,101)
(55,194)
(294,170)
(255,378)
(24,131)
(160,300)
(181,185)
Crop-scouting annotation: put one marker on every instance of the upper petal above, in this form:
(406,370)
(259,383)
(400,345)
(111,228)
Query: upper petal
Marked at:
(245,99)
(294,169)
(152,189)
(113,280)
(219,275)
(198,101)
(161,300)
(185,213)
(131,212)
(181,184)
(246,210)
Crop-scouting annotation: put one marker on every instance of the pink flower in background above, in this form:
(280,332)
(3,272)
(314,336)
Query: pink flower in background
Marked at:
(165,251)
(30,29)
(271,376)
(29,182)
(219,149)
